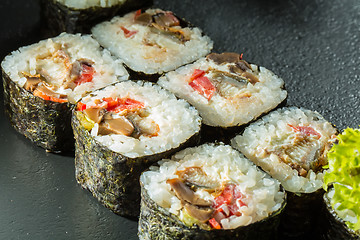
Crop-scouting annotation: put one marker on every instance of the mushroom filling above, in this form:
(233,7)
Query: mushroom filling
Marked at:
(226,198)
(228,84)
(165,23)
(196,207)
(238,67)
(55,71)
(119,116)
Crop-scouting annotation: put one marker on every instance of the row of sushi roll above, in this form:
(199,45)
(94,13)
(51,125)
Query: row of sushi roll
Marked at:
(137,142)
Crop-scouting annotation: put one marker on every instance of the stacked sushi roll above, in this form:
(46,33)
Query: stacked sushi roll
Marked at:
(291,144)
(74,16)
(123,129)
(225,89)
(209,192)
(342,183)
(42,80)
(152,42)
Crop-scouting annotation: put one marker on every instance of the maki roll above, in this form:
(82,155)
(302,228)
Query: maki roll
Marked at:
(79,16)
(226,90)
(342,183)
(291,144)
(209,192)
(152,42)
(43,80)
(120,131)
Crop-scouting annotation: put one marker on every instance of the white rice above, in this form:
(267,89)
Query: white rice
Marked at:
(107,69)
(164,55)
(222,164)
(177,121)
(261,139)
(83,4)
(227,111)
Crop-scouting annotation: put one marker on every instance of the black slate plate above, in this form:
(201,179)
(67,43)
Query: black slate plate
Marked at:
(312,45)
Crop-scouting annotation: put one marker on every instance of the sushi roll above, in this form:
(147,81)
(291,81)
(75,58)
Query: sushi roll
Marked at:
(79,16)
(342,183)
(152,42)
(226,90)
(291,144)
(120,131)
(209,192)
(42,81)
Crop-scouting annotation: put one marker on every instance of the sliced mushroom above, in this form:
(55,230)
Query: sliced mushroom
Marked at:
(184,193)
(240,67)
(232,79)
(201,214)
(95,114)
(166,19)
(119,125)
(226,57)
(144,19)
(175,32)
(195,177)
(48,92)
(251,77)
(32,83)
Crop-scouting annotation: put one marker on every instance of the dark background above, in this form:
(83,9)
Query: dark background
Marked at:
(312,44)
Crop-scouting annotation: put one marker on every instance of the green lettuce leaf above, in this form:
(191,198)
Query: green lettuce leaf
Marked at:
(344,174)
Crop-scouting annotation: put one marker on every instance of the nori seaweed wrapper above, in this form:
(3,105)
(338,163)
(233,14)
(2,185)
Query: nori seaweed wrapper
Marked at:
(60,18)
(301,214)
(46,123)
(334,227)
(219,134)
(157,223)
(134,75)
(111,177)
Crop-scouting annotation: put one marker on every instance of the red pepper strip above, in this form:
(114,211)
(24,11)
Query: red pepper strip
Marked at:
(230,197)
(87,74)
(49,98)
(81,106)
(137,14)
(128,33)
(214,223)
(306,130)
(203,86)
(197,73)
(226,196)
(111,103)
(120,104)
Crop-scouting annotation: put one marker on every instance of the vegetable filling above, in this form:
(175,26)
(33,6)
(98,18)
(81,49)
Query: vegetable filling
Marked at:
(55,72)
(224,83)
(124,116)
(226,199)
